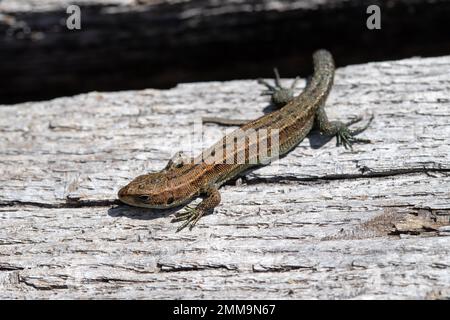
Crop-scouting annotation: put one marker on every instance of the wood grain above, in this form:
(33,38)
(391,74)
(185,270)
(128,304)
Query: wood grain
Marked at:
(322,222)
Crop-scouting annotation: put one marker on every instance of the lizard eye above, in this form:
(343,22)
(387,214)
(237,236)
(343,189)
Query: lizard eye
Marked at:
(144,198)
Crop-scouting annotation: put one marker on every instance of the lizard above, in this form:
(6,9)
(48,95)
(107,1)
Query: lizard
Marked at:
(183,180)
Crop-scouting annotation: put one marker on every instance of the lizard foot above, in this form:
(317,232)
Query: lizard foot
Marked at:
(346,137)
(279,95)
(190,218)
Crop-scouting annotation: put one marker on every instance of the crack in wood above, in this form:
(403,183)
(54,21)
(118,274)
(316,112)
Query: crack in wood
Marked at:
(73,203)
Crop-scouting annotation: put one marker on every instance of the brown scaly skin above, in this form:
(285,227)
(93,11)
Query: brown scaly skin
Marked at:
(186,179)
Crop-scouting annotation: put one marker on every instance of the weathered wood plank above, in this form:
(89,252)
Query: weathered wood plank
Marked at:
(85,147)
(319,223)
(295,239)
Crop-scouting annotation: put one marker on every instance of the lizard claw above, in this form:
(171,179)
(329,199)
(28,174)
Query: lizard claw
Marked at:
(363,128)
(183,215)
(346,137)
(190,218)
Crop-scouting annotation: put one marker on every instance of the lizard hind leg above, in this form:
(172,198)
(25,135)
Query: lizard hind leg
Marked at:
(279,94)
(344,135)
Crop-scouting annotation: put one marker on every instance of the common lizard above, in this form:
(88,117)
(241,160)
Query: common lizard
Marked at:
(182,181)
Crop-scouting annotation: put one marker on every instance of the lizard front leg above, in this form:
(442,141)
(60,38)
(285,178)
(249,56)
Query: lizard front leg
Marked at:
(211,199)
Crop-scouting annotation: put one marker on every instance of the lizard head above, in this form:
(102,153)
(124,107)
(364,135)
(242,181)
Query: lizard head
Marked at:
(148,191)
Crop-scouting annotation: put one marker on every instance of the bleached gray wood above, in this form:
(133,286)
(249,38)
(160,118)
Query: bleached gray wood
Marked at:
(319,223)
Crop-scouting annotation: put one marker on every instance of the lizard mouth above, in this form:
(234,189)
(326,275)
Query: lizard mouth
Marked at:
(131,201)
